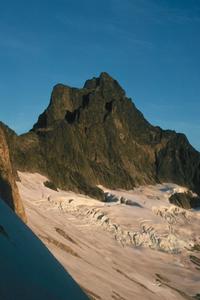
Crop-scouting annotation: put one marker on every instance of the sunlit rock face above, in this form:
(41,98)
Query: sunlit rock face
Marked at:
(8,188)
(95,135)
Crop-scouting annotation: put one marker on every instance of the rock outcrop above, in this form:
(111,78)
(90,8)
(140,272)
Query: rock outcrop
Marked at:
(185,200)
(96,136)
(8,188)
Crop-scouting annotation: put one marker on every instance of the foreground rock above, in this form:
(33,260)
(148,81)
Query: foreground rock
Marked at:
(8,188)
(96,136)
(28,270)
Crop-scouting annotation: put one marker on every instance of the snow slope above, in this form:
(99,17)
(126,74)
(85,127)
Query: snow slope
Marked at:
(97,245)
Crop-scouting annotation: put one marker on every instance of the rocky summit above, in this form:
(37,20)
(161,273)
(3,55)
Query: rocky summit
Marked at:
(95,136)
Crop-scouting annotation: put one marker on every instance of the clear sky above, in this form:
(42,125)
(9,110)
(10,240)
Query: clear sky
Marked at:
(152,47)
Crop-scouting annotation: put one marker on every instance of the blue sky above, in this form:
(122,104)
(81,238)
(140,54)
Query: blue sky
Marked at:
(152,47)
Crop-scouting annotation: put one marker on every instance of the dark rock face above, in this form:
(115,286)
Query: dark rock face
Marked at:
(8,188)
(185,200)
(96,136)
(50,185)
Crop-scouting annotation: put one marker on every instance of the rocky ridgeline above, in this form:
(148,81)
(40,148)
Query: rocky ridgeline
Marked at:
(94,136)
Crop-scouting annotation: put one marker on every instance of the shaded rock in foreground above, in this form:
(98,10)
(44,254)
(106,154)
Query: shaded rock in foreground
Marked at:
(28,269)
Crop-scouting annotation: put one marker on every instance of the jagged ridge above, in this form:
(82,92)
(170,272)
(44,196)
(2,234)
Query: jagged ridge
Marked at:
(96,136)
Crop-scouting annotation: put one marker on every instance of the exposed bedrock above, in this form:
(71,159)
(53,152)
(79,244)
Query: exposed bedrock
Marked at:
(95,135)
(185,200)
(8,188)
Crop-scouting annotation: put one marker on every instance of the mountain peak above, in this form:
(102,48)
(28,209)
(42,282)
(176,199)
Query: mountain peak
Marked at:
(67,100)
(103,81)
(96,136)
(96,81)
(105,76)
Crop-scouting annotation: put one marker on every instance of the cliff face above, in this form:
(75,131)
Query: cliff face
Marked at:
(8,188)
(96,136)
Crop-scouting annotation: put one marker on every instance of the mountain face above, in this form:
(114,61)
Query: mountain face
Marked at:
(8,188)
(96,136)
